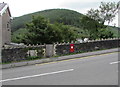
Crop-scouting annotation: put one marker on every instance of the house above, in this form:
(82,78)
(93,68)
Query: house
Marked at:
(5,21)
(119,15)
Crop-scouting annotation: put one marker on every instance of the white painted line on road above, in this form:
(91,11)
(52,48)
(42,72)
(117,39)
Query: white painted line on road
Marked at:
(115,62)
(36,75)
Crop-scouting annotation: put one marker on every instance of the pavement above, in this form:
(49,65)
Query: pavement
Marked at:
(99,69)
(46,60)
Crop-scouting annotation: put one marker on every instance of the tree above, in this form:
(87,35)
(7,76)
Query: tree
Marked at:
(95,29)
(41,31)
(105,13)
(37,30)
(104,33)
(92,26)
(69,33)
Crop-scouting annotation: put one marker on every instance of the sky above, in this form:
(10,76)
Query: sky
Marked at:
(22,7)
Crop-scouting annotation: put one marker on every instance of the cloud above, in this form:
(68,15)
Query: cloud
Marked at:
(84,4)
(80,5)
(21,7)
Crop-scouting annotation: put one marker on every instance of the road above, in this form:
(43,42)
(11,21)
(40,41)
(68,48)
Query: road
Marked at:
(91,70)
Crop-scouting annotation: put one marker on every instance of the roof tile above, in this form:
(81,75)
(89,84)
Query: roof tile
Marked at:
(2,5)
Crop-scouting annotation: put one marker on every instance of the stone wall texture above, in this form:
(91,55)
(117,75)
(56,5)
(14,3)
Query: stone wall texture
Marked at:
(24,53)
(21,53)
(87,47)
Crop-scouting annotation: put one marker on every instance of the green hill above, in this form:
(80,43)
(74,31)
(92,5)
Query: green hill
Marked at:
(68,17)
(115,30)
(65,16)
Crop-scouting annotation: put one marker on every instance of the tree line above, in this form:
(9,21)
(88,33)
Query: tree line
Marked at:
(39,30)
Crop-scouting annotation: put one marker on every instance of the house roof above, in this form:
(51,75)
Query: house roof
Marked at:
(3,7)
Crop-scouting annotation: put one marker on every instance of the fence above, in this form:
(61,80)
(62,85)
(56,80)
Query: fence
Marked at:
(21,53)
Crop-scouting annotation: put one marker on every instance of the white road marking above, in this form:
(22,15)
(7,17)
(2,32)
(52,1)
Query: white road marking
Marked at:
(115,62)
(36,75)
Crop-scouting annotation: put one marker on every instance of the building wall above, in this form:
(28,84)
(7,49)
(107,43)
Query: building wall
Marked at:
(6,29)
(0,38)
(0,31)
(119,15)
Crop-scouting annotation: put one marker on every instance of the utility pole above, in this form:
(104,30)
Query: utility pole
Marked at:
(0,38)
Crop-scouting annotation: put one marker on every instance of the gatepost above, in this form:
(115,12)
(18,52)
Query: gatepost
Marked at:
(49,50)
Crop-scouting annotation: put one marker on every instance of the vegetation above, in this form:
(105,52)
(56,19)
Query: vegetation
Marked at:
(105,13)
(97,30)
(95,19)
(17,36)
(40,31)
(65,16)
(62,25)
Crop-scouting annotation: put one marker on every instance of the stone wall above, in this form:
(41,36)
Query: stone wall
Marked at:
(87,47)
(15,54)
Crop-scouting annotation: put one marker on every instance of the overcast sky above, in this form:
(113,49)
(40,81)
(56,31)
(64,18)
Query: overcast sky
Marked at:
(22,7)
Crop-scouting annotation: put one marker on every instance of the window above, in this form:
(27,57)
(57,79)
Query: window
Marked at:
(8,25)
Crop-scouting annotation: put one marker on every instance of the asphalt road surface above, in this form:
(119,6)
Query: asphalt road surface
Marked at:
(92,70)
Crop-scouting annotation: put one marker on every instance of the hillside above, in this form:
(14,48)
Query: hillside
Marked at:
(82,27)
(115,30)
(65,16)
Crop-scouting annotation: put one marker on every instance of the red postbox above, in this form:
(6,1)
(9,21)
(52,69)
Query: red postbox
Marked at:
(71,47)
